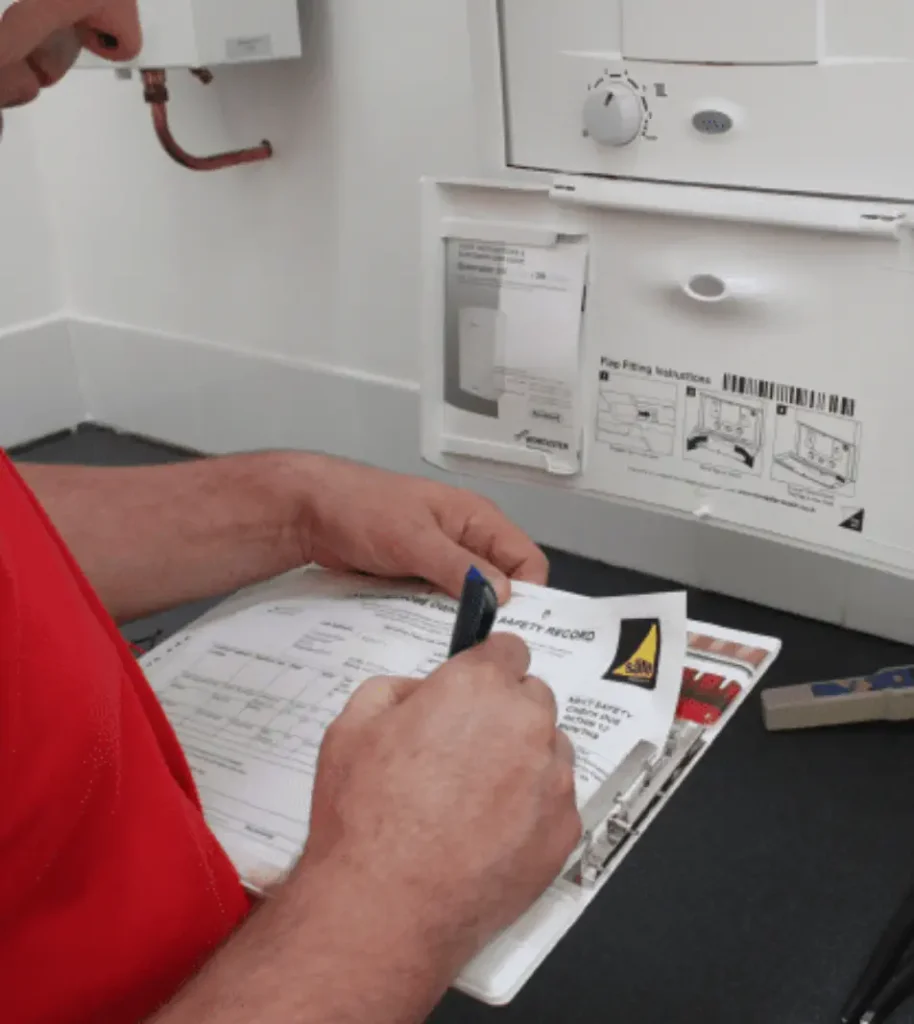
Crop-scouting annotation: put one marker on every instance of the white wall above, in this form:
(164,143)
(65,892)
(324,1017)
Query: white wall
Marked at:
(39,392)
(314,255)
(30,280)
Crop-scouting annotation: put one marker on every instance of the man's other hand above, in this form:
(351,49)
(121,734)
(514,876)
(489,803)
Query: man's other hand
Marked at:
(371,521)
(450,801)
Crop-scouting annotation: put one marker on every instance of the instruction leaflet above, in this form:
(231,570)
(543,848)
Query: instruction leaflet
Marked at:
(513,319)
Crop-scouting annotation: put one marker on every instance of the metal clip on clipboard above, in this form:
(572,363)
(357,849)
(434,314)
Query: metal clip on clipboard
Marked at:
(625,799)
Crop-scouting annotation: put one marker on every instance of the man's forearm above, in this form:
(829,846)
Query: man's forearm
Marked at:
(152,537)
(326,950)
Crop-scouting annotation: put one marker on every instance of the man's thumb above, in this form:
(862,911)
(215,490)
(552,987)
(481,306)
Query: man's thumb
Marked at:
(445,563)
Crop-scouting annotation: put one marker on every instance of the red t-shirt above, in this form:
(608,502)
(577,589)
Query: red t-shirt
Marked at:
(112,889)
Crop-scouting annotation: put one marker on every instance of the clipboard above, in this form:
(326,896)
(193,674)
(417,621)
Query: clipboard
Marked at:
(722,669)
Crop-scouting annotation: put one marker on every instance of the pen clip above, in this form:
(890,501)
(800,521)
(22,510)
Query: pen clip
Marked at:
(489,607)
(475,613)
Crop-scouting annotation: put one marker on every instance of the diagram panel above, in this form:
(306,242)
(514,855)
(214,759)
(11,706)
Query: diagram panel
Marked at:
(724,431)
(637,415)
(816,452)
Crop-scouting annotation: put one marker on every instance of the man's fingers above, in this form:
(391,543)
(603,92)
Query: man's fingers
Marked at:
(53,59)
(504,650)
(26,25)
(520,558)
(564,747)
(110,39)
(375,696)
(536,690)
(534,568)
(445,563)
(17,85)
(489,534)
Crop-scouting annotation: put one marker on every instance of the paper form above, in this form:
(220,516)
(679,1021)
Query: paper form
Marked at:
(252,688)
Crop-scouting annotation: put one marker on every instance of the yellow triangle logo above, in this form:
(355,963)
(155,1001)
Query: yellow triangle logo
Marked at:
(638,653)
(641,664)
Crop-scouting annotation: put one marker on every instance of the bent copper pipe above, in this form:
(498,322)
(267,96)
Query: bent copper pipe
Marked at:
(155,92)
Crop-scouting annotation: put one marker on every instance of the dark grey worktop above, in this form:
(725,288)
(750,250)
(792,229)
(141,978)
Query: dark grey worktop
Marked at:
(758,892)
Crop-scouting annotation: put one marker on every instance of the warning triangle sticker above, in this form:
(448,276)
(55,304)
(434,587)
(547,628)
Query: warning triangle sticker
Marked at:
(854,522)
(638,653)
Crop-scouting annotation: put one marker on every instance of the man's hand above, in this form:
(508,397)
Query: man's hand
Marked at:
(452,797)
(151,537)
(441,810)
(356,517)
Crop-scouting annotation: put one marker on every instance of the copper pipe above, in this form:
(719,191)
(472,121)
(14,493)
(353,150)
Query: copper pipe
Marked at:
(155,92)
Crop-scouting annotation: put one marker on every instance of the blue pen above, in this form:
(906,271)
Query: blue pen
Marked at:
(475,613)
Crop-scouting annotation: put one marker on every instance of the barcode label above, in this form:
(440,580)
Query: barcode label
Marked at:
(786,394)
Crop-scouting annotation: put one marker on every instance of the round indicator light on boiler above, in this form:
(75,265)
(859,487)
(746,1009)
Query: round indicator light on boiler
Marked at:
(712,122)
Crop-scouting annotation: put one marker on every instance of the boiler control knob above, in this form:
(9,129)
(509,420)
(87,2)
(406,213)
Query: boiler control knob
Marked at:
(613,114)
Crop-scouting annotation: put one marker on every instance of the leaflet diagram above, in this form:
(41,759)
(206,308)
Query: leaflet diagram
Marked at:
(816,452)
(482,352)
(637,415)
(724,431)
